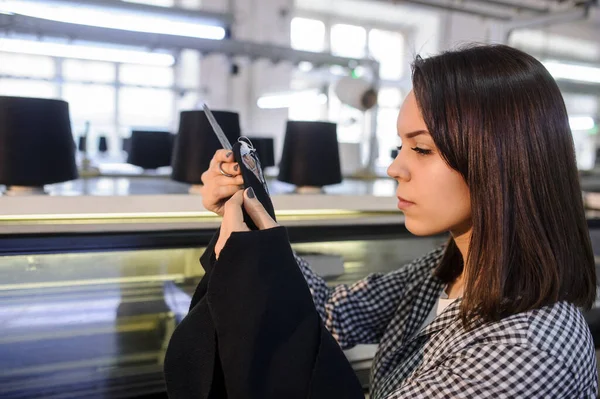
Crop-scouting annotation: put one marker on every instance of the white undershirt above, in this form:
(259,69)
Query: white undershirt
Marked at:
(440,305)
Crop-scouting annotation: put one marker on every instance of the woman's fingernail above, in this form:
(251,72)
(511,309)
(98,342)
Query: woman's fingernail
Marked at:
(236,167)
(229,154)
(251,193)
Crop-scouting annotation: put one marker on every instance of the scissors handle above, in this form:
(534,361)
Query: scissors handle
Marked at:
(217,128)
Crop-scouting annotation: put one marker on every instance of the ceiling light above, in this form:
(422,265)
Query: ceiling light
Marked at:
(86,52)
(111,18)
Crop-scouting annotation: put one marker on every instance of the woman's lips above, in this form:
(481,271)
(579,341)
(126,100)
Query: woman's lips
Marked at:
(404,204)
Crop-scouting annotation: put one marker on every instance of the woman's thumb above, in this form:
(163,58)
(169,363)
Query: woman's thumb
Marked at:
(257,211)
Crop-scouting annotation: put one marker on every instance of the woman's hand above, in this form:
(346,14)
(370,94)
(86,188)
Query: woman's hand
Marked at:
(233,218)
(218,188)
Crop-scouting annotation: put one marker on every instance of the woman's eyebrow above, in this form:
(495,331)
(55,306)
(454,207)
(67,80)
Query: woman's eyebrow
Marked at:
(415,133)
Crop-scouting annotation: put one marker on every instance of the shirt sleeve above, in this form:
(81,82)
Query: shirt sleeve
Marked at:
(359,313)
(495,371)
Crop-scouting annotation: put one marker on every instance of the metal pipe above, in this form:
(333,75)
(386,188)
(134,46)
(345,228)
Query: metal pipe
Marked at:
(517,6)
(576,14)
(500,33)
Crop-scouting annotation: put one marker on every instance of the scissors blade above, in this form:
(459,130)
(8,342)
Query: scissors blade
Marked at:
(218,131)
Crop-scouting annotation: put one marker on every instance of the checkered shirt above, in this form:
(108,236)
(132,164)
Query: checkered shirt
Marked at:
(544,353)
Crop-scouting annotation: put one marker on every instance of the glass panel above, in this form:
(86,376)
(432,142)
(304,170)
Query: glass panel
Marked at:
(93,324)
(348,40)
(387,48)
(89,71)
(308,34)
(146,107)
(32,66)
(98,324)
(146,75)
(27,88)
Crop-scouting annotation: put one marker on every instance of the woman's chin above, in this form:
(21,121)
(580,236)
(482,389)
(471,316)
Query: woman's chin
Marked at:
(422,229)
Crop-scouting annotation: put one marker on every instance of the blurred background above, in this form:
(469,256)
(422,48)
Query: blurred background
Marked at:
(101,224)
(148,60)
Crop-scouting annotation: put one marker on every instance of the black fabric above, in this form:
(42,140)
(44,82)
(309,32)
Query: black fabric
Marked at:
(253,330)
(259,187)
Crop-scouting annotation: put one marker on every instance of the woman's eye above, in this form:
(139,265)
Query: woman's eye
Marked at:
(421,151)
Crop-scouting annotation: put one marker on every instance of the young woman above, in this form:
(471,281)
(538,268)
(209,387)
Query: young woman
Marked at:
(487,155)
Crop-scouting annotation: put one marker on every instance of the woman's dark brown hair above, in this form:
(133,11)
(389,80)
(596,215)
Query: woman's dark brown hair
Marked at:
(497,117)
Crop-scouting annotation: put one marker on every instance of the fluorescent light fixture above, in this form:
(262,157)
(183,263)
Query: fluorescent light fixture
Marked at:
(580,73)
(85,52)
(581,122)
(286,100)
(109,18)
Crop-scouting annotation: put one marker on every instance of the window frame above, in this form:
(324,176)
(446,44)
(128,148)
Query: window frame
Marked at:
(328,78)
(118,129)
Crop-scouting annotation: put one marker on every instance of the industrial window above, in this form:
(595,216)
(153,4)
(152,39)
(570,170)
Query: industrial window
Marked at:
(387,47)
(354,41)
(27,88)
(144,107)
(348,40)
(307,34)
(26,65)
(114,97)
(146,75)
(88,71)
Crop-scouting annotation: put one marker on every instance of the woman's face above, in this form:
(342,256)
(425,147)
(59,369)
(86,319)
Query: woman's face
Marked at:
(434,197)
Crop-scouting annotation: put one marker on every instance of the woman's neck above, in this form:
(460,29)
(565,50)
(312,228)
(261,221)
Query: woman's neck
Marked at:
(462,240)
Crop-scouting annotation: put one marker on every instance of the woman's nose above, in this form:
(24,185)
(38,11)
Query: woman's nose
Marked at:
(398,171)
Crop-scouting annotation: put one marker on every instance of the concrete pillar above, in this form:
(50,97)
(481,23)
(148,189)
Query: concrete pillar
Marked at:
(215,68)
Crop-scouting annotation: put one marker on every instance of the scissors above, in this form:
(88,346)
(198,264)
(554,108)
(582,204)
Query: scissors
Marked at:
(245,155)
(217,128)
